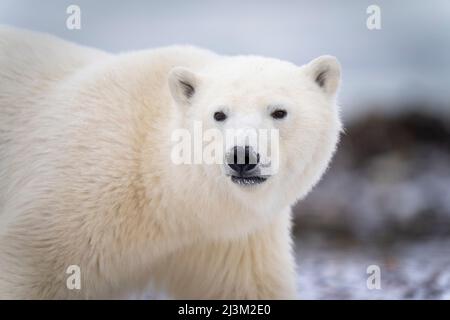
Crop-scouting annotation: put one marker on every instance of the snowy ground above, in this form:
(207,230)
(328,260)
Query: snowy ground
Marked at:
(413,270)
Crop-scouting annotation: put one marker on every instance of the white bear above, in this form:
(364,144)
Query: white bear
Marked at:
(86,176)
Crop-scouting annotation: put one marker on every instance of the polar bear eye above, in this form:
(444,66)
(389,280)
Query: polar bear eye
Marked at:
(279,114)
(220,116)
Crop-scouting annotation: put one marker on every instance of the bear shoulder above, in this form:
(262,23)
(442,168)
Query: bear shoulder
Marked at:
(35,56)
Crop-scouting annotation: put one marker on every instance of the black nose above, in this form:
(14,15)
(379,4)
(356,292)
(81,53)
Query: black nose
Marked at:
(242,159)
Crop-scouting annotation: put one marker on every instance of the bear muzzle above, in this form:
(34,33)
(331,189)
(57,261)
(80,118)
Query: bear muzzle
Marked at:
(242,165)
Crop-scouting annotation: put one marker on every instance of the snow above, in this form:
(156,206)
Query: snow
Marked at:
(411,270)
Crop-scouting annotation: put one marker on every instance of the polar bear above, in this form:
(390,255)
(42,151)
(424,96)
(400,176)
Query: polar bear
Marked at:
(86,176)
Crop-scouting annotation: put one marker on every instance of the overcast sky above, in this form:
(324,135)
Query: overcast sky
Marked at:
(407,60)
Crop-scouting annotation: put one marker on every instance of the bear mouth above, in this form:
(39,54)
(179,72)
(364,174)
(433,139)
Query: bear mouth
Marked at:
(248,181)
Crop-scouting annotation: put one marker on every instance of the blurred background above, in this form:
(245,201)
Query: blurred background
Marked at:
(385,199)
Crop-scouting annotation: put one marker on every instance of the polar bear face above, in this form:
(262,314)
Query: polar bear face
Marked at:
(249,97)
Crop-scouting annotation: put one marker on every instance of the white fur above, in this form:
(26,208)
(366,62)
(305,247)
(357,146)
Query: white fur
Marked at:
(86,176)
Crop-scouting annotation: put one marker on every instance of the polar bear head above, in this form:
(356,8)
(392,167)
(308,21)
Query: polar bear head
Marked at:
(235,101)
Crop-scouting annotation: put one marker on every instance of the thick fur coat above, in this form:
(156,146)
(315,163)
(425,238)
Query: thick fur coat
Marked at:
(86,177)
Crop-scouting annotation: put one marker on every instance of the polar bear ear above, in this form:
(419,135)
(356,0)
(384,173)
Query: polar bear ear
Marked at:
(182,84)
(325,71)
